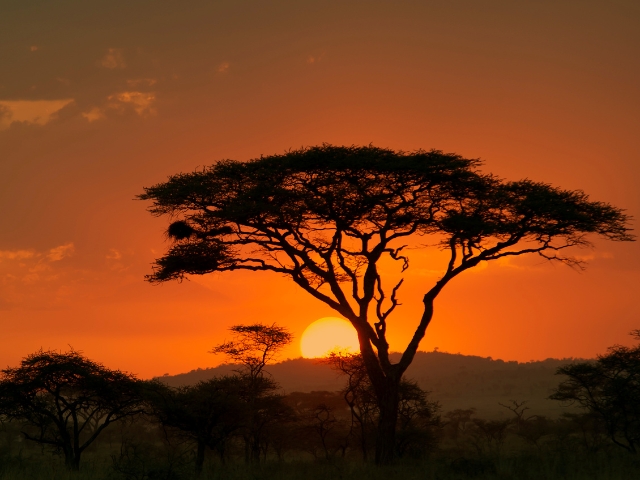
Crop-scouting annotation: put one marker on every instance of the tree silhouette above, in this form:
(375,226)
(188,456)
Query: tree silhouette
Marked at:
(67,400)
(253,347)
(417,415)
(325,216)
(609,390)
(207,413)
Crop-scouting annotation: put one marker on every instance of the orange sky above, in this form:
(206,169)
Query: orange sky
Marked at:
(97,101)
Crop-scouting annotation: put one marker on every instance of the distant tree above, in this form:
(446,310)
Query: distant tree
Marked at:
(326,216)
(459,421)
(419,422)
(417,415)
(358,394)
(66,400)
(207,413)
(609,390)
(253,347)
(321,424)
(531,428)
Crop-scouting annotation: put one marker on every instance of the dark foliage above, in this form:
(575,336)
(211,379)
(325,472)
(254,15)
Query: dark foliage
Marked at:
(418,423)
(609,390)
(208,413)
(253,347)
(66,400)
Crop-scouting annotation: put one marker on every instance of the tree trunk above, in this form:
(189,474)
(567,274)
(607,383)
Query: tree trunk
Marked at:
(72,461)
(200,456)
(363,442)
(247,448)
(255,448)
(386,438)
(71,456)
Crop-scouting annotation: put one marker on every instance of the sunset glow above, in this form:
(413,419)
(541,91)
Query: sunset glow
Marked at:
(98,102)
(326,335)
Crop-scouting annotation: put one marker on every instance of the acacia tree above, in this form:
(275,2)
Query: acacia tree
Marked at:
(66,400)
(253,347)
(326,216)
(609,390)
(207,413)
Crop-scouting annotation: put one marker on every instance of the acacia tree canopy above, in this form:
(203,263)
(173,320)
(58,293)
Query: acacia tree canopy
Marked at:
(208,413)
(67,400)
(325,216)
(254,346)
(609,389)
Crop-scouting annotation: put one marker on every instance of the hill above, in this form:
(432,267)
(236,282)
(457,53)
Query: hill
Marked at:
(455,380)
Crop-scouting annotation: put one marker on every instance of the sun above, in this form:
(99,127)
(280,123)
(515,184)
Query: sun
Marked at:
(328,334)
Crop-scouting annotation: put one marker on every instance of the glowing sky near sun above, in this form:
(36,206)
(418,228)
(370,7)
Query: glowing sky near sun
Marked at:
(326,335)
(98,99)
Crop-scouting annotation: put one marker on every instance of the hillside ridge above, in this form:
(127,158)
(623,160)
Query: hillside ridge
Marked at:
(454,380)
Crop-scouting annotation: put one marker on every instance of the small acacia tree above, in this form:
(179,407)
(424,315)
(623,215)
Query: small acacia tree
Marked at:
(253,347)
(609,390)
(325,216)
(66,400)
(208,413)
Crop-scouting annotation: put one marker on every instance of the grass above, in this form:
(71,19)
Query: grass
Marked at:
(611,465)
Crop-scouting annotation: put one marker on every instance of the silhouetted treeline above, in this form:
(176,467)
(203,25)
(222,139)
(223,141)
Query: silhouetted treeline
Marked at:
(454,380)
(65,404)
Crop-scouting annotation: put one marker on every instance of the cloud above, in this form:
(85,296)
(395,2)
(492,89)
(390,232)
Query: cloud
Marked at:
(142,82)
(37,112)
(16,254)
(223,67)
(58,253)
(32,278)
(54,254)
(142,103)
(30,266)
(113,254)
(34,48)
(94,114)
(113,59)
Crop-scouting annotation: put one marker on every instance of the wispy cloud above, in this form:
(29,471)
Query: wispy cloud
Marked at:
(223,67)
(58,253)
(113,254)
(37,112)
(142,103)
(16,254)
(29,277)
(141,82)
(54,254)
(113,59)
(96,113)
